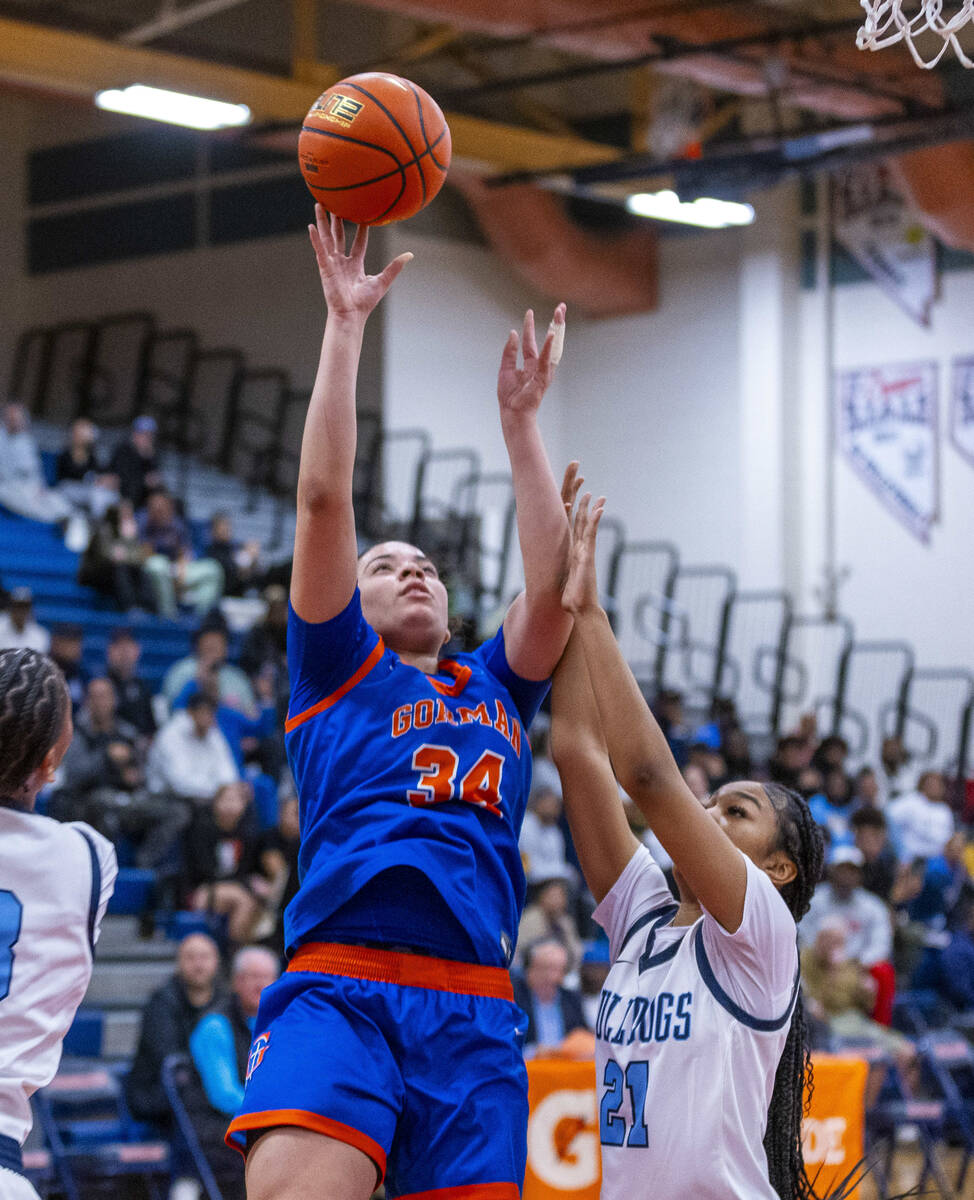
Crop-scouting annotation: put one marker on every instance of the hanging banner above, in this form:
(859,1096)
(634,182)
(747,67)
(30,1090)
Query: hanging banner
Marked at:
(962,408)
(881,232)
(886,426)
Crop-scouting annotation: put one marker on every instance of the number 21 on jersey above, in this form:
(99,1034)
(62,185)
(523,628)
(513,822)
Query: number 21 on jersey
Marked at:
(438,767)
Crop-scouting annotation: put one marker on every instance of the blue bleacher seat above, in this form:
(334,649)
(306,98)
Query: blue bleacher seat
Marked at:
(84,1038)
(133,893)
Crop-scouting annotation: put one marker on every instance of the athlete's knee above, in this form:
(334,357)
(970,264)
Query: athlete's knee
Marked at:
(288,1163)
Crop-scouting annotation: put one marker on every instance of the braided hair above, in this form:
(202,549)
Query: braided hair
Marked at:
(33,707)
(801,839)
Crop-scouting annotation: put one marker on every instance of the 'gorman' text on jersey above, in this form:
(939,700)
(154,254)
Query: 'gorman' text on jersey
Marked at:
(412,791)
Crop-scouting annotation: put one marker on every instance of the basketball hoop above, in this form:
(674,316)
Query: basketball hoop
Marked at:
(887,22)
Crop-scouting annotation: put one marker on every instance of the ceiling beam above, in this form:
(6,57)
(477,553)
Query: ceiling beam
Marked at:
(54,61)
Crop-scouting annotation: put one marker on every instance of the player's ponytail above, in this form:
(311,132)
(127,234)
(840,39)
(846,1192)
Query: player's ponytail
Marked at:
(802,841)
(33,707)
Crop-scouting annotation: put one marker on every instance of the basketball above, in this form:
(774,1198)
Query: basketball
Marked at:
(374,149)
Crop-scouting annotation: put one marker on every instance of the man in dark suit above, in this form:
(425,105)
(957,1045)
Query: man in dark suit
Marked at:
(553,1010)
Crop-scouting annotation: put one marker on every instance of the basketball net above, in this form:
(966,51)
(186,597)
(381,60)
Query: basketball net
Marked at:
(887,23)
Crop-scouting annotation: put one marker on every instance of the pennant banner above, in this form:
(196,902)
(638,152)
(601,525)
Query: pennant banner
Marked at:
(881,232)
(962,408)
(886,423)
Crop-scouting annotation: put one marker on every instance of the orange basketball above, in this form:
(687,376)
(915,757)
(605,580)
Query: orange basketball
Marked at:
(374,149)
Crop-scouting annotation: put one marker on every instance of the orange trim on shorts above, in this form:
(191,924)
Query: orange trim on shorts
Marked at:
(336,695)
(307,1120)
(406,970)
(461,677)
(470,1191)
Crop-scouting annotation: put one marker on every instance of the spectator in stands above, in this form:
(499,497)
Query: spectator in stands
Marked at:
(544,772)
(553,1011)
(169,1017)
(135,464)
(948,969)
(210,649)
(18,629)
(865,789)
(831,754)
(921,822)
(133,694)
(736,749)
(222,874)
(23,488)
(114,561)
(266,642)
(864,916)
(810,782)
(175,574)
(79,474)
(945,881)
(668,710)
(548,919)
(880,868)
(190,757)
(67,650)
(277,856)
(244,734)
(240,560)
(593,973)
(221,1047)
(542,842)
(895,775)
(711,762)
(790,756)
(832,807)
(696,780)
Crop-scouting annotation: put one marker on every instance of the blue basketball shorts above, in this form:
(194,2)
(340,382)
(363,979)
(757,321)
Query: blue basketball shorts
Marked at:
(415,1061)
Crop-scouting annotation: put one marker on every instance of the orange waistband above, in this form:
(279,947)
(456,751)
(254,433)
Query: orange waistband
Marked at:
(407,970)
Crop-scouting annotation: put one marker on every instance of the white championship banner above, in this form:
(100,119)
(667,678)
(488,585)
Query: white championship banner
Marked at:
(881,232)
(962,408)
(886,429)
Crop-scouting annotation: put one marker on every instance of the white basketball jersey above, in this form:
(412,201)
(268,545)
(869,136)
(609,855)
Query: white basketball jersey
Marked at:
(55,882)
(691,1025)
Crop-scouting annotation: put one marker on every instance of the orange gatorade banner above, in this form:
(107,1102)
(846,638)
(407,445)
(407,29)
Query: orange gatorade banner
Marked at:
(563,1131)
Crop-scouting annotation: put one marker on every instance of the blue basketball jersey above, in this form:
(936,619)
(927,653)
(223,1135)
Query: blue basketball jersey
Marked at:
(412,791)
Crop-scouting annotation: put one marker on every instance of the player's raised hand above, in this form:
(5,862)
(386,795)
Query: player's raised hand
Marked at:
(581,590)
(520,389)
(571,482)
(348,290)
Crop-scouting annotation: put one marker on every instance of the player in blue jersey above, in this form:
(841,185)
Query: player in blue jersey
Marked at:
(390,1049)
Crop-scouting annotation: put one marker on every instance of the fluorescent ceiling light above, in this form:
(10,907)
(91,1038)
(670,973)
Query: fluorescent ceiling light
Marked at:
(705,212)
(175,107)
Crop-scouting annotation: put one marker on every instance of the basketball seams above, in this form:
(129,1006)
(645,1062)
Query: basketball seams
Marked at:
(422,128)
(355,87)
(343,137)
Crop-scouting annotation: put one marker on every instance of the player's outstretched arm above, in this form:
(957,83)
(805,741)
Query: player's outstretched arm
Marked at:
(536,627)
(323,578)
(708,860)
(601,834)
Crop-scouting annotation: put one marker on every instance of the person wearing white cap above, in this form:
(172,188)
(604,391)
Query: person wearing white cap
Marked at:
(23,488)
(865,916)
(18,629)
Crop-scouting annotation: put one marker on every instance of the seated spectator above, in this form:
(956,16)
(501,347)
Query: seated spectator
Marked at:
(220,1046)
(277,856)
(190,757)
(869,933)
(840,991)
(695,777)
(945,882)
(548,919)
(221,873)
(135,465)
(265,646)
(865,789)
(948,968)
(210,649)
(18,629)
(832,807)
(790,756)
(243,733)
(831,754)
(175,574)
(67,650)
(542,843)
(170,1016)
(895,775)
(880,867)
(544,772)
(79,474)
(23,488)
(240,560)
(592,975)
(710,761)
(810,782)
(134,696)
(114,561)
(736,749)
(668,710)
(553,1011)
(921,822)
